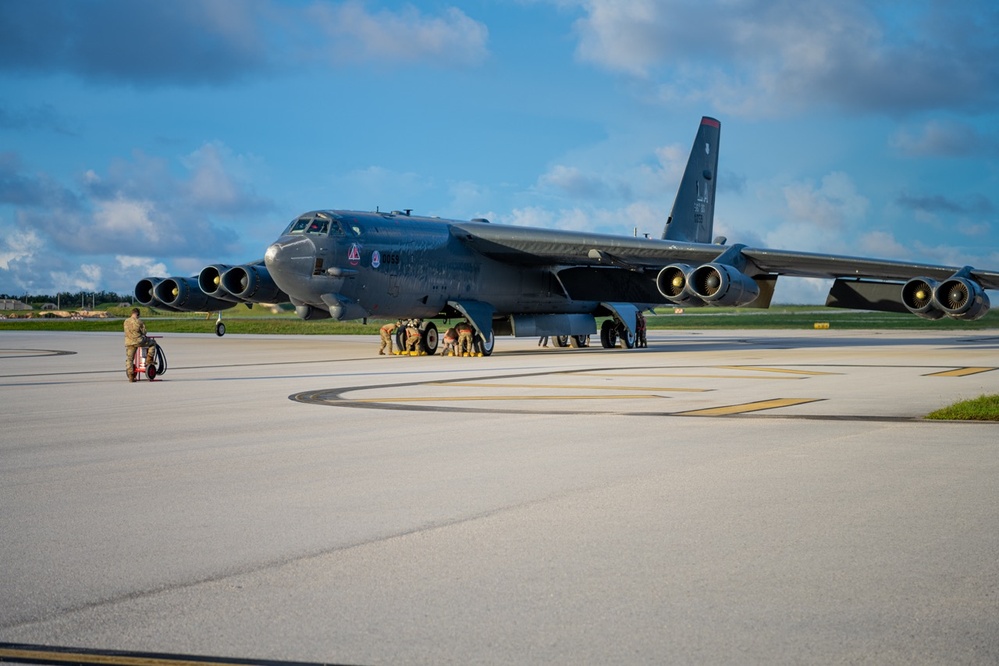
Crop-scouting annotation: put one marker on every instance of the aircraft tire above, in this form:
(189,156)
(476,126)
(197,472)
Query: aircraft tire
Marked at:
(608,334)
(487,344)
(561,340)
(628,338)
(220,329)
(429,339)
(578,341)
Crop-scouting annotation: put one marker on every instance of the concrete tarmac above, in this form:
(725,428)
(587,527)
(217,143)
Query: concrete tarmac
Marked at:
(720,497)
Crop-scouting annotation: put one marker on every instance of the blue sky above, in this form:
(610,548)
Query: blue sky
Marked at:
(153,138)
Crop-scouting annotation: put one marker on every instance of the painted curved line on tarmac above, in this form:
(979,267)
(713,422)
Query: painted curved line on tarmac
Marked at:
(772,408)
(33,353)
(334,397)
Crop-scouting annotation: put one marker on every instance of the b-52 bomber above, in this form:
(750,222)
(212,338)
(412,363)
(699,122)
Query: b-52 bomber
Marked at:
(529,282)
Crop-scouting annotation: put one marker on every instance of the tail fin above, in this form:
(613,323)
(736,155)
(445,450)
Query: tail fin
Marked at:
(693,215)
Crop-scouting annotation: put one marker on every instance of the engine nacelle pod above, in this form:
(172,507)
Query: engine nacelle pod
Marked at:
(144,291)
(210,282)
(917,297)
(960,298)
(184,295)
(672,283)
(252,284)
(721,284)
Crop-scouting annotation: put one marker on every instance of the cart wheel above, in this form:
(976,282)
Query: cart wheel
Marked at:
(220,329)
(151,372)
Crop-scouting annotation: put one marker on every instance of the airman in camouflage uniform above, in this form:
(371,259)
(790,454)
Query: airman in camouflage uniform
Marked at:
(450,342)
(386,333)
(135,337)
(465,333)
(413,337)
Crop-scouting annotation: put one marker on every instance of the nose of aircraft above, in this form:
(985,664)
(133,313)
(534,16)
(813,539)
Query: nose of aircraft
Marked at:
(290,262)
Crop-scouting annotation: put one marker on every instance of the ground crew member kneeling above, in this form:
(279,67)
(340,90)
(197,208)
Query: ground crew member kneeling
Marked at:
(465,332)
(386,332)
(450,342)
(413,337)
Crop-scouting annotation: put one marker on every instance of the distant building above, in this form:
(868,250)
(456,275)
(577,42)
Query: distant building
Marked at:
(11,304)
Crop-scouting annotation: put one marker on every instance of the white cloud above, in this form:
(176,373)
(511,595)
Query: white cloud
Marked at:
(759,58)
(146,266)
(18,245)
(943,138)
(835,204)
(354,34)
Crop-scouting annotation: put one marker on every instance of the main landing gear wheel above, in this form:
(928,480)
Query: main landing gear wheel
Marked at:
(429,339)
(487,344)
(561,340)
(577,341)
(628,338)
(608,334)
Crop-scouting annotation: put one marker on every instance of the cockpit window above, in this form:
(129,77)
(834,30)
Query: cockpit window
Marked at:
(319,226)
(299,225)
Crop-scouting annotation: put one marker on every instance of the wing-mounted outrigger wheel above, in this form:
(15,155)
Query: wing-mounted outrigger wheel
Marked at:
(219,326)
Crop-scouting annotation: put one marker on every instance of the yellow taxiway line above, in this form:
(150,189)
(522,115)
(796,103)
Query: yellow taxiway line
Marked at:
(958,372)
(748,407)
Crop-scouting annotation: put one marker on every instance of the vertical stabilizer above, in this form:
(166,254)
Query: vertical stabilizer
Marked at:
(693,214)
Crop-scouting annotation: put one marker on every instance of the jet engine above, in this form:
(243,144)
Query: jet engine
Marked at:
(184,295)
(145,294)
(917,296)
(721,284)
(252,284)
(956,297)
(210,282)
(672,283)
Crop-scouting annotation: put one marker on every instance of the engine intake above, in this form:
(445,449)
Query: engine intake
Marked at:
(956,297)
(961,298)
(721,284)
(145,294)
(672,283)
(184,295)
(252,284)
(917,296)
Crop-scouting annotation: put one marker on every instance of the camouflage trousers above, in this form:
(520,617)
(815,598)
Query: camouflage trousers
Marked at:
(465,342)
(386,341)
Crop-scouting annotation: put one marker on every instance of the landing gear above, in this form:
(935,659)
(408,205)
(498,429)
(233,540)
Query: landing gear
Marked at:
(561,340)
(577,341)
(486,344)
(429,339)
(608,334)
(612,331)
(219,326)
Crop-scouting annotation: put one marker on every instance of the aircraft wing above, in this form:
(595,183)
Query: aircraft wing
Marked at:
(529,246)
